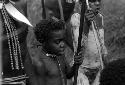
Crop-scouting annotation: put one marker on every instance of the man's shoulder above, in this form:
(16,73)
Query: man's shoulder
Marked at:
(69,54)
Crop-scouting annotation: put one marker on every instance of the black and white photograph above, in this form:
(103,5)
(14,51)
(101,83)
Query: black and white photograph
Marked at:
(62,42)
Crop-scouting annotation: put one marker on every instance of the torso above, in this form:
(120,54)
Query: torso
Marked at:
(44,70)
(54,72)
(92,59)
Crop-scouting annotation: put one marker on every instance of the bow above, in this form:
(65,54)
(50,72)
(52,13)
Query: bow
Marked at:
(14,12)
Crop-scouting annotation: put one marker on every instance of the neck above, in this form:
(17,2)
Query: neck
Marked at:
(48,54)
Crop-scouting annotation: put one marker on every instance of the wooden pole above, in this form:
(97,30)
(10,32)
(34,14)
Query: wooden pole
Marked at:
(61,9)
(44,10)
(82,18)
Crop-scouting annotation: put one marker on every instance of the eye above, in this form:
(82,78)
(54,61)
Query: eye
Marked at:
(57,41)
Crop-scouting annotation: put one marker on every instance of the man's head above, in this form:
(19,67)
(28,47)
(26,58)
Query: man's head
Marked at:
(95,5)
(113,73)
(51,34)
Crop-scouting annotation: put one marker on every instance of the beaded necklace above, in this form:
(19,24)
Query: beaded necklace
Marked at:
(13,42)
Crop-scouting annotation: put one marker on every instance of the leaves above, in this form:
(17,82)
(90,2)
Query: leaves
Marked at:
(114,20)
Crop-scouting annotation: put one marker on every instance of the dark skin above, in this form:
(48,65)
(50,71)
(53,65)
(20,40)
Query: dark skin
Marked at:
(56,45)
(45,70)
(52,9)
(93,10)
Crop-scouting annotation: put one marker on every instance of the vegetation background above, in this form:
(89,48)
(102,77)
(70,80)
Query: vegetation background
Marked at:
(114,20)
(114,25)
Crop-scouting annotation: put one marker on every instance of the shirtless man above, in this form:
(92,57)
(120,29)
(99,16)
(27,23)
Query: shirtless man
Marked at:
(91,63)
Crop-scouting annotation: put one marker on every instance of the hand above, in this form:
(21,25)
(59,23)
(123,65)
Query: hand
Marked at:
(105,60)
(90,15)
(78,59)
(104,51)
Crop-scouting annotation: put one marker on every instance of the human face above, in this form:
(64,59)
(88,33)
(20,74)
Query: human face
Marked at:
(95,5)
(55,44)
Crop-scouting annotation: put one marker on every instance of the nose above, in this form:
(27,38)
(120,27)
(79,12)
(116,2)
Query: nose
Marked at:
(97,3)
(62,44)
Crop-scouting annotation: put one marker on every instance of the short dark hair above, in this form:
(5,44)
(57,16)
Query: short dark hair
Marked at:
(44,27)
(113,73)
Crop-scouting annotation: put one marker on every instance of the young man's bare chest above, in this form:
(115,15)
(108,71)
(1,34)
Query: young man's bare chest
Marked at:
(54,70)
(54,66)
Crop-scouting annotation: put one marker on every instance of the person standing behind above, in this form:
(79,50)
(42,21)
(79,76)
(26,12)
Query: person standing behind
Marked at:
(91,63)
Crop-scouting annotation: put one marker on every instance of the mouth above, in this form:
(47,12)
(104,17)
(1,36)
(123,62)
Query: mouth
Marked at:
(97,8)
(61,51)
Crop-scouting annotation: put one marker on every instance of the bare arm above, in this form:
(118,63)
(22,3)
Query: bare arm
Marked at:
(70,71)
(68,61)
(101,35)
(36,71)
(102,39)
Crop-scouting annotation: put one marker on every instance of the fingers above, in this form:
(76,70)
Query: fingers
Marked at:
(90,15)
(78,61)
(79,58)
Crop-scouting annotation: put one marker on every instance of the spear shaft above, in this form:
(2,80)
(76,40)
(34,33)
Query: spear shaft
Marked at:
(44,10)
(81,29)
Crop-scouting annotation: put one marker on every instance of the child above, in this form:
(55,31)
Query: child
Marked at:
(51,67)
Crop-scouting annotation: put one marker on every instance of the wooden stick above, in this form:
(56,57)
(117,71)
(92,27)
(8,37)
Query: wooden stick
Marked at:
(44,10)
(82,18)
(61,9)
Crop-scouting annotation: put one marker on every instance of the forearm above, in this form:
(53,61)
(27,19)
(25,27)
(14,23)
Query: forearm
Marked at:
(104,49)
(71,71)
(101,35)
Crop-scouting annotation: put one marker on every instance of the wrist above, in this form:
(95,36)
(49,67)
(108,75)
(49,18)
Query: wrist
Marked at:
(76,64)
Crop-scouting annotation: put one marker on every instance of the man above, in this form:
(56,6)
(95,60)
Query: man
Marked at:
(91,63)
(51,67)
(13,41)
